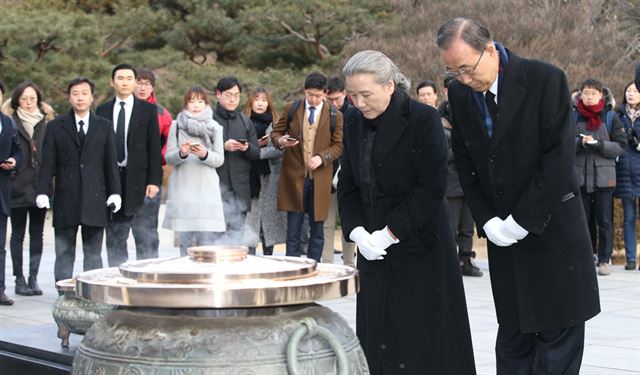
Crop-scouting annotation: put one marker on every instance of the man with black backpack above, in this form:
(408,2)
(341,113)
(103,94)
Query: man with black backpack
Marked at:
(311,144)
(240,149)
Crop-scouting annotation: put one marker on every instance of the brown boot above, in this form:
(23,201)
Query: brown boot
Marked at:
(4,300)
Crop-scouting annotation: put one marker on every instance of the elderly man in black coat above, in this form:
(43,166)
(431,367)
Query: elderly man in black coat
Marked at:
(79,151)
(514,149)
(10,158)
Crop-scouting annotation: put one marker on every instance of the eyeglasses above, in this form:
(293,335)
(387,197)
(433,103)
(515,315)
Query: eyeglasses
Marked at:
(144,83)
(464,71)
(229,95)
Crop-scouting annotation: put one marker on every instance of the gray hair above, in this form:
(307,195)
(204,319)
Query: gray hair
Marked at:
(472,32)
(378,64)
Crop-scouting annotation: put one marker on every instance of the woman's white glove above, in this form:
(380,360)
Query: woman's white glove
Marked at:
(513,229)
(362,239)
(116,200)
(495,233)
(382,238)
(42,201)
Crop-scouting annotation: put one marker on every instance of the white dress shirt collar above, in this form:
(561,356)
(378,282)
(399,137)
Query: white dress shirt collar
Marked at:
(84,119)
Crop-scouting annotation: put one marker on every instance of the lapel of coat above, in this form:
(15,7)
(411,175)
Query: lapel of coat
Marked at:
(511,98)
(133,120)
(69,125)
(93,124)
(394,125)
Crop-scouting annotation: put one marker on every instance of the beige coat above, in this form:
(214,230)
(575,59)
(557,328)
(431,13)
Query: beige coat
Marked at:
(292,174)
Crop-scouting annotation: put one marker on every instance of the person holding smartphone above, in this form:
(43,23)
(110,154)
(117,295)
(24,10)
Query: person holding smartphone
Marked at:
(264,222)
(195,149)
(240,149)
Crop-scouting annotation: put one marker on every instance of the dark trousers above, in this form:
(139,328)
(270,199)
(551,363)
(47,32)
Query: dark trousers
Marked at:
(65,244)
(235,213)
(294,227)
(145,228)
(3,252)
(18,229)
(462,225)
(600,203)
(556,352)
(117,234)
(189,239)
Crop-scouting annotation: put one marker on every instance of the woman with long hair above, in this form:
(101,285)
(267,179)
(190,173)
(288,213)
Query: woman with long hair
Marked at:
(264,221)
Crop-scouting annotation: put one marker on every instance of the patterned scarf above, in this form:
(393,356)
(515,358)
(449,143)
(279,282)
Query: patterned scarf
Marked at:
(199,125)
(632,112)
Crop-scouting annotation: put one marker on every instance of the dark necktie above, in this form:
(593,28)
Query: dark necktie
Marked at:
(81,131)
(120,133)
(490,98)
(312,111)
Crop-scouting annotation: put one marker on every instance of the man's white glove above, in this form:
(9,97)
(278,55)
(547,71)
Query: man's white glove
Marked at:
(638,147)
(382,238)
(42,201)
(495,232)
(362,239)
(513,229)
(116,200)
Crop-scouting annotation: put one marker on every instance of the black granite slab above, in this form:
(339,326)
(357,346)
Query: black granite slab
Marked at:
(36,350)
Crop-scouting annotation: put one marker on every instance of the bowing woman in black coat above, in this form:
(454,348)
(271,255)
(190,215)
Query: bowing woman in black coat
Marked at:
(411,310)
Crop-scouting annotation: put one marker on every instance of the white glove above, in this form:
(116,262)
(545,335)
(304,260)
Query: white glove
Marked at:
(42,201)
(382,238)
(638,147)
(361,237)
(513,229)
(334,182)
(116,200)
(494,231)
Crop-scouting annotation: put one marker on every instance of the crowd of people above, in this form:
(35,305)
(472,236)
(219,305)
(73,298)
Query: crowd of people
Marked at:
(535,170)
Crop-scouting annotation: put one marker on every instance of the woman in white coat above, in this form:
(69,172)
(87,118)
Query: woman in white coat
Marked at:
(195,148)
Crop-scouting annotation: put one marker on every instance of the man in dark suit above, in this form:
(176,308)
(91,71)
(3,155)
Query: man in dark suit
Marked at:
(514,148)
(10,157)
(79,152)
(139,156)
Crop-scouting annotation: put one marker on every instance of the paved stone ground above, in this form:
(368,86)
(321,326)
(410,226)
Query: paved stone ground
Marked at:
(612,338)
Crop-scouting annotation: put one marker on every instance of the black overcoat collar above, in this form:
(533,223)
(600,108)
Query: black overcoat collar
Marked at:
(393,125)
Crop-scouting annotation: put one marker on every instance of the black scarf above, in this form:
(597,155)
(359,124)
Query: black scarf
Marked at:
(259,167)
(227,115)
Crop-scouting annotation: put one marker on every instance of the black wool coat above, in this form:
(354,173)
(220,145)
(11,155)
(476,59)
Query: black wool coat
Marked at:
(144,157)
(9,148)
(411,309)
(84,176)
(547,280)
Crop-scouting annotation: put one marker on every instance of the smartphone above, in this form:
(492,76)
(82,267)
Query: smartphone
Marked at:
(264,136)
(242,140)
(291,139)
(194,145)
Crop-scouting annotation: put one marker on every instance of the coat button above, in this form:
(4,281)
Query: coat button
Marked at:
(81,165)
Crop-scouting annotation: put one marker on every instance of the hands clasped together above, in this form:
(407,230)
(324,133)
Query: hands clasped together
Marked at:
(504,232)
(372,246)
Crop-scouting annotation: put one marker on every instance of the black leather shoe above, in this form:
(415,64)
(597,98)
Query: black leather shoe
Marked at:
(4,300)
(469,269)
(33,285)
(22,289)
(630,266)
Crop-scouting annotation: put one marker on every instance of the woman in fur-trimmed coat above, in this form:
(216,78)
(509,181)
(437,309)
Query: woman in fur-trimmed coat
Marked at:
(31,116)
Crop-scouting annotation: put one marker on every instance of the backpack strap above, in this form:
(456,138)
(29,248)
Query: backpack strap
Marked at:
(608,121)
(292,110)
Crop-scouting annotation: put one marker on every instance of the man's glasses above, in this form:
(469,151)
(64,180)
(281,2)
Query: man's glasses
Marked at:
(464,71)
